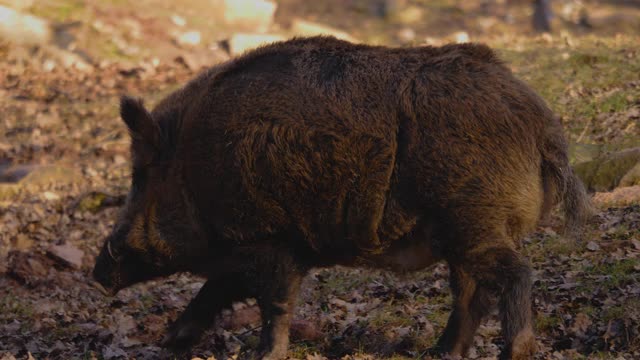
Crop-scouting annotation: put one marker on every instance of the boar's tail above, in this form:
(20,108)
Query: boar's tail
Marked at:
(562,185)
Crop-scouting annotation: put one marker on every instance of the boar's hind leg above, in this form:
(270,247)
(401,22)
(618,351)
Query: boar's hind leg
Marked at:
(216,294)
(504,271)
(471,303)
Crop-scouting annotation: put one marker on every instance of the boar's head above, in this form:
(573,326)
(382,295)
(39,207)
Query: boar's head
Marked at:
(157,222)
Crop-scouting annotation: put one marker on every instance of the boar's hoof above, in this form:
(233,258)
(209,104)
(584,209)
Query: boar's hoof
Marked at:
(181,336)
(524,347)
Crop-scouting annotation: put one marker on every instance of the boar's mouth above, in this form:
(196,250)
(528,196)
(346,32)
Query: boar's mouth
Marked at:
(105,274)
(106,288)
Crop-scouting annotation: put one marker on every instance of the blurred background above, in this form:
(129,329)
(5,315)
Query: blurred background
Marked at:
(64,169)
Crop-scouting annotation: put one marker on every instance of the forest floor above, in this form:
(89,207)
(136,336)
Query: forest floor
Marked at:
(60,128)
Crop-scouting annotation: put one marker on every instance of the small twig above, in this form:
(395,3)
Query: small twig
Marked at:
(584,131)
(250,330)
(238,340)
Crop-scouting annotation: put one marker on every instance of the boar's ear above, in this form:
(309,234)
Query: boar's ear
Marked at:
(145,134)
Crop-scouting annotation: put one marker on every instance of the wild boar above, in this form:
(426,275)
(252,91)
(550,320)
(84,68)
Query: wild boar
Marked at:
(315,152)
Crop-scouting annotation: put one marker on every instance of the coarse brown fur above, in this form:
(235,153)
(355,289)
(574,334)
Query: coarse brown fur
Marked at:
(316,152)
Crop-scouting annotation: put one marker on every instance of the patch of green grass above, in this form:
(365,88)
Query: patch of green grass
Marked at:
(386,318)
(63,332)
(422,342)
(60,11)
(614,312)
(14,307)
(630,308)
(88,355)
(147,300)
(615,102)
(546,323)
(579,82)
(620,232)
(301,350)
(579,59)
(551,245)
(438,318)
(109,50)
(603,355)
(616,274)
(440,299)
(558,245)
(588,310)
(339,283)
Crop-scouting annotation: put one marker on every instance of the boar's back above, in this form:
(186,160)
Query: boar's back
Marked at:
(321,135)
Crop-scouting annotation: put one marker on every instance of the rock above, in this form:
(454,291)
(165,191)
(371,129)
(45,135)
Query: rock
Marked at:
(622,196)
(189,38)
(13,174)
(17,179)
(579,153)
(178,20)
(632,177)
(124,323)
(249,15)
(242,42)
(67,255)
(460,37)
(308,28)
(39,175)
(23,29)
(606,172)
(593,246)
(50,196)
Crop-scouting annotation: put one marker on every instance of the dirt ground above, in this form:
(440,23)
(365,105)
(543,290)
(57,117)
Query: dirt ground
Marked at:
(64,166)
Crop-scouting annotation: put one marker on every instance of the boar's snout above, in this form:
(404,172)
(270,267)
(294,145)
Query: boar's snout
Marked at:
(107,271)
(120,265)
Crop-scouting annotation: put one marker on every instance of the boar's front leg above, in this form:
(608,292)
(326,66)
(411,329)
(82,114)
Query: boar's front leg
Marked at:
(471,303)
(278,294)
(216,294)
